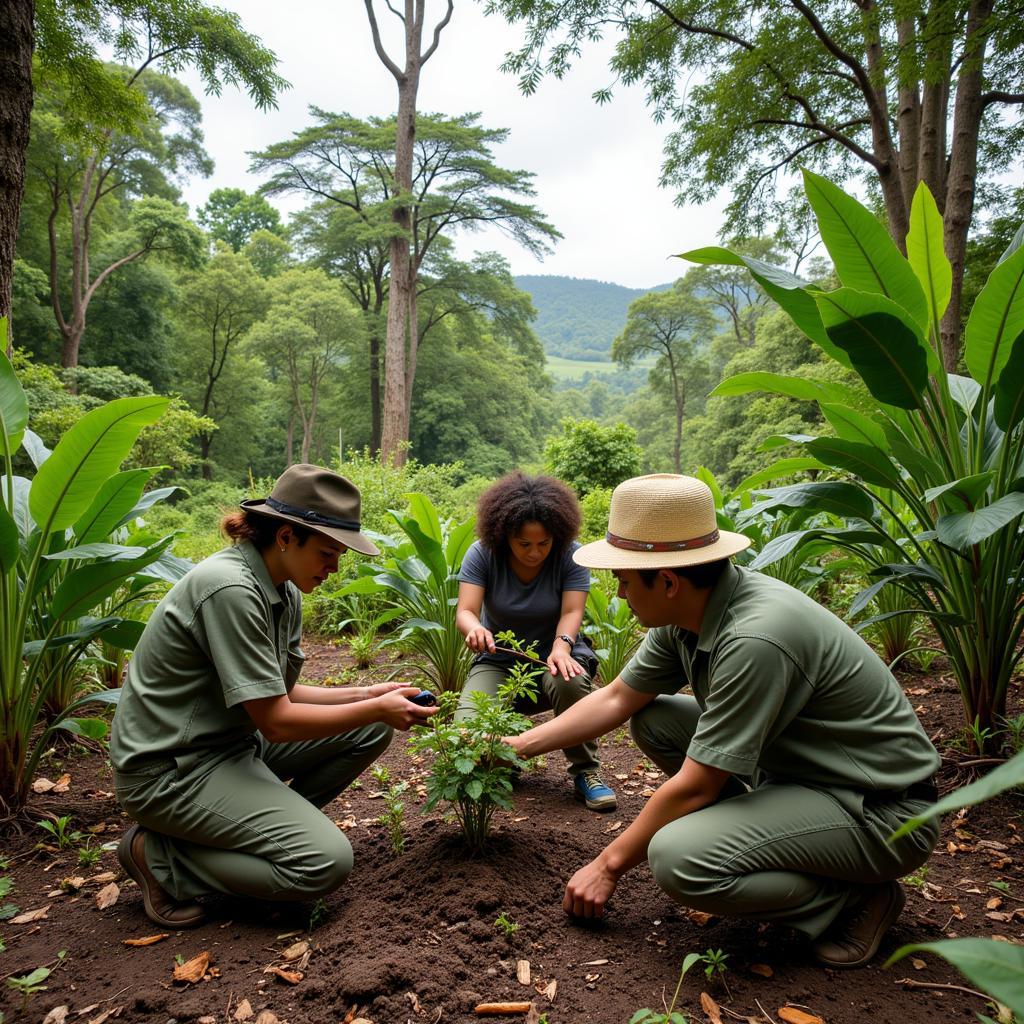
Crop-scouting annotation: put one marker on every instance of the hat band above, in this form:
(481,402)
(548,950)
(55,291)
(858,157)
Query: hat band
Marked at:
(313,517)
(661,545)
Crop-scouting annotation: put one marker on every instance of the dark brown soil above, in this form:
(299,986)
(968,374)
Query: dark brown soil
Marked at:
(412,937)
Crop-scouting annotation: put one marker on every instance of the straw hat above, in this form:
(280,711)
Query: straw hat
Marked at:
(319,500)
(660,522)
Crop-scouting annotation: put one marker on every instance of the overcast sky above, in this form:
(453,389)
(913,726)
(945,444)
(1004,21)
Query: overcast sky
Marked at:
(596,168)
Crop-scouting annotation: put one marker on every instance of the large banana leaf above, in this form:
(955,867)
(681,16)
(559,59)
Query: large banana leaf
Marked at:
(87,455)
(112,501)
(996,322)
(865,256)
(926,253)
(13,403)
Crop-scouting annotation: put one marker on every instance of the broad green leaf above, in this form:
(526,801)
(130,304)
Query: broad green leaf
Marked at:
(112,501)
(963,494)
(995,967)
(853,425)
(885,346)
(13,403)
(964,391)
(89,628)
(995,320)
(778,471)
(964,529)
(792,293)
(92,552)
(20,513)
(125,635)
(422,510)
(85,587)
(1015,243)
(87,455)
(460,537)
(10,547)
(779,384)
(926,254)
(148,500)
(840,499)
(474,788)
(37,451)
(1008,407)
(924,470)
(1005,776)
(427,546)
(706,477)
(779,547)
(863,460)
(93,728)
(168,568)
(864,255)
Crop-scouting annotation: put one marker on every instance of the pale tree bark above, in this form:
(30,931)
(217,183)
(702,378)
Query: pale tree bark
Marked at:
(401,325)
(17,42)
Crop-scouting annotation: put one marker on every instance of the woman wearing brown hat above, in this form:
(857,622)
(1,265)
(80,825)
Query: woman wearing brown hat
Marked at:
(520,576)
(212,725)
(790,764)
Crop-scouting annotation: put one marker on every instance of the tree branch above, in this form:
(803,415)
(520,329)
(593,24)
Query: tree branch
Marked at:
(437,33)
(988,98)
(379,46)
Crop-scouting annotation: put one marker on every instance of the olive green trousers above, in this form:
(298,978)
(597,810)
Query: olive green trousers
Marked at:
(226,822)
(782,851)
(553,694)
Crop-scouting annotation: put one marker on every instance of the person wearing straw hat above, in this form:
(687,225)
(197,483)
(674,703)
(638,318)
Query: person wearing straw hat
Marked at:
(791,762)
(212,725)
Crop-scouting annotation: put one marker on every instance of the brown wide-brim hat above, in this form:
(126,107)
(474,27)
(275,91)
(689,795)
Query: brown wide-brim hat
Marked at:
(661,521)
(319,500)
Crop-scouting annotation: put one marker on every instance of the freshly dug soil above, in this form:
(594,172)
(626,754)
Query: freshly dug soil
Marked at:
(412,937)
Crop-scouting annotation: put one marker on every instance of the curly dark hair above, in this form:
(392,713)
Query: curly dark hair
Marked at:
(517,499)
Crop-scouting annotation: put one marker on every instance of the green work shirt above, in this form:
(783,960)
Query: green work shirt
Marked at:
(786,691)
(222,635)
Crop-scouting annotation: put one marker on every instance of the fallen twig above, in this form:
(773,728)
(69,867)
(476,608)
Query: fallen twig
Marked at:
(913,983)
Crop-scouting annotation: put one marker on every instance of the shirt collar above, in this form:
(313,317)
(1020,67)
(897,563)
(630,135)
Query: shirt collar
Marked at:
(259,569)
(718,606)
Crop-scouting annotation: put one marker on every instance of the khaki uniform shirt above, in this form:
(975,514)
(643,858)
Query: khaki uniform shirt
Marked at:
(787,691)
(222,635)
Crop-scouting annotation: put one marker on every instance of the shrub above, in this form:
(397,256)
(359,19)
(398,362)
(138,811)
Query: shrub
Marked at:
(588,455)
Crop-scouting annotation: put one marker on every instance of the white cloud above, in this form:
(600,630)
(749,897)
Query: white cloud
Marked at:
(596,168)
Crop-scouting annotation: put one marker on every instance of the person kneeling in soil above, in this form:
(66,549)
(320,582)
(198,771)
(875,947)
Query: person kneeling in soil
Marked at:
(791,764)
(520,576)
(211,721)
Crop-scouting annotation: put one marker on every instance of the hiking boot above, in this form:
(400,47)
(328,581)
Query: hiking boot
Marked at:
(590,788)
(161,907)
(855,935)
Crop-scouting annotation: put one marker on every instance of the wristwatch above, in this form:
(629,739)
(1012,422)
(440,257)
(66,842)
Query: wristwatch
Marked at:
(568,639)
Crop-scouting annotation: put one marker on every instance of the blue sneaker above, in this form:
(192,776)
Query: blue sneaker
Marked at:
(590,788)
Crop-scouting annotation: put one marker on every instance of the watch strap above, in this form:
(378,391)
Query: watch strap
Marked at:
(568,639)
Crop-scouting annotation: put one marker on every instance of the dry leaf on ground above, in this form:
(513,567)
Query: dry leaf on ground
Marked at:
(613,827)
(265,1017)
(107,896)
(194,969)
(550,990)
(103,877)
(147,940)
(711,1008)
(791,1015)
(292,977)
(414,1002)
(32,915)
(243,1011)
(699,918)
(56,1016)
(296,950)
(42,785)
(763,969)
(523,972)
(106,1015)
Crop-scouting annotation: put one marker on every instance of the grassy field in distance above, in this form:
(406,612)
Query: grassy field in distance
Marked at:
(574,369)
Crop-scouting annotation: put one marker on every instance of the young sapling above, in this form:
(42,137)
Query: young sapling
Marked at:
(393,817)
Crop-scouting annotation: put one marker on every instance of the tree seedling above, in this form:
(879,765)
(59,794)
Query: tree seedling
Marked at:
(29,985)
(60,829)
(317,913)
(506,925)
(7,910)
(394,808)
(473,768)
(917,877)
(714,963)
(89,855)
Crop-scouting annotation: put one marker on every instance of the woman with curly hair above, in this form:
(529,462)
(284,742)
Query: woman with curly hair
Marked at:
(520,576)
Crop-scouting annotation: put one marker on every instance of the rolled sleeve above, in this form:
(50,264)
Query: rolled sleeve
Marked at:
(240,645)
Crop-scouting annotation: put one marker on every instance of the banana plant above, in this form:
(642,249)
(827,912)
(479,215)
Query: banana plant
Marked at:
(420,576)
(950,447)
(57,569)
(613,628)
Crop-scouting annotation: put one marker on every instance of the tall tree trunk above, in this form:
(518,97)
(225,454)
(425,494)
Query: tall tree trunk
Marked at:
(375,380)
(17,30)
(410,365)
(401,328)
(289,442)
(963,169)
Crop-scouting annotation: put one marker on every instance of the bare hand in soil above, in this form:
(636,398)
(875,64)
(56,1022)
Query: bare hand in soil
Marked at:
(564,665)
(589,890)
(399,712)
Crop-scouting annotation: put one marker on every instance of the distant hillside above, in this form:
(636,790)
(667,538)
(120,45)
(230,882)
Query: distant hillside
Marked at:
(579,318)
